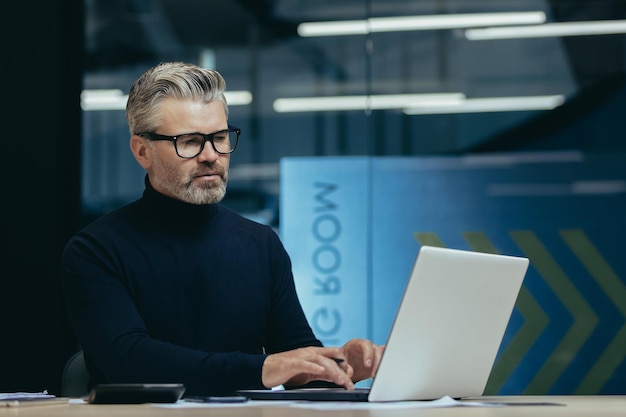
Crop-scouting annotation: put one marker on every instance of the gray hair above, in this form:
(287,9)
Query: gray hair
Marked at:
(177,80)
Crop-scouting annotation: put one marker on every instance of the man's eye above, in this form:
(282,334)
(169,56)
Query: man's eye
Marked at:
(190,140)
(221,136)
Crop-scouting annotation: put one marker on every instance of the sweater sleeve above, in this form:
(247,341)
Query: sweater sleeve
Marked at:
(117,342)
(289,328)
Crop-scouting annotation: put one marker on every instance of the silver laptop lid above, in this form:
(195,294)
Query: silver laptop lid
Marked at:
(449,325)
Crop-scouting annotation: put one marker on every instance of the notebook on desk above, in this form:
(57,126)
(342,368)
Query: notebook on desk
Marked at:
(446,333)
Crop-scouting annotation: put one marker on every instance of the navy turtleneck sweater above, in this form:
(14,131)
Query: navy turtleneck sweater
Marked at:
(165,291)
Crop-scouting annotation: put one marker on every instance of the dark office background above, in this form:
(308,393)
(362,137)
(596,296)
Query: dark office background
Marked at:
(41,76)
(64,166)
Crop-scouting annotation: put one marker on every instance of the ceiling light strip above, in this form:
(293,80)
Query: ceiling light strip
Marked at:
(114,99)
(364,102)
(410,23)
(495,104)
(605,27)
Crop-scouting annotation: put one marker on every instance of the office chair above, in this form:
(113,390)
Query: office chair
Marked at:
(75,378)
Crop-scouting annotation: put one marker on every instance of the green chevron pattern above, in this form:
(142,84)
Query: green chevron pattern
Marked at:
(584,319)
(599,269)
(428,239)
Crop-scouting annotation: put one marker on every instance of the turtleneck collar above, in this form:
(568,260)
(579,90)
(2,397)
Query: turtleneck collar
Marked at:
(168,210)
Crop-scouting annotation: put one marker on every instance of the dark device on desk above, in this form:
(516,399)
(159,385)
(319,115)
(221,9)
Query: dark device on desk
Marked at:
(135,393)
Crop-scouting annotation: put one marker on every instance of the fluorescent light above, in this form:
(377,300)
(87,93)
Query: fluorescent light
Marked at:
(408,23)
(549,29)
(454,21)
(593,187)
(496,104)
(364,102)
(113,99)
(337,28)
(238,98)
(414,104)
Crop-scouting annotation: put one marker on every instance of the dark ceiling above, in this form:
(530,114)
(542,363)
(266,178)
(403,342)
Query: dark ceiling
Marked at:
(124,32)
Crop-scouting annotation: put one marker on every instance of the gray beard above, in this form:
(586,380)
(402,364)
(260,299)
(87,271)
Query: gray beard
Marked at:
(189,193)
(198,195)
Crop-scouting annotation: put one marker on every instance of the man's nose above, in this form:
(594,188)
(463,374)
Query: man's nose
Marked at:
(208,153)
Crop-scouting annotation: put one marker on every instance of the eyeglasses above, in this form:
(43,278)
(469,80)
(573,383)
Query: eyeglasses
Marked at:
(189,145)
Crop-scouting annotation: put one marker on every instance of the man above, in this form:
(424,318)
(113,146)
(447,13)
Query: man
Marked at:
(175,287)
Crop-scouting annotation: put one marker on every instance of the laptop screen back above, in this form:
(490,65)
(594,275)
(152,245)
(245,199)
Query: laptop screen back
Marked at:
(449,325)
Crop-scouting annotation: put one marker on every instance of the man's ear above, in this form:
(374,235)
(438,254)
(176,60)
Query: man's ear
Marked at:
(141,151)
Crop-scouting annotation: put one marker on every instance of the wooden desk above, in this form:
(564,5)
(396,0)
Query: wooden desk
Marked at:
(573,406)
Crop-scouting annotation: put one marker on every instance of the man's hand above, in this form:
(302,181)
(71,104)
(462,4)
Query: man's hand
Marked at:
(300,366)
(363,357)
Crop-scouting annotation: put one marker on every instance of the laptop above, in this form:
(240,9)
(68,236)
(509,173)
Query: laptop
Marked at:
(446,333)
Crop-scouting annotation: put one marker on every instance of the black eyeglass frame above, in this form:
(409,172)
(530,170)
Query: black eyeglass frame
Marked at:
(206,137)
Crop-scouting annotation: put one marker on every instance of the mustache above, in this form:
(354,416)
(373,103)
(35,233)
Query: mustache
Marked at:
(210,170)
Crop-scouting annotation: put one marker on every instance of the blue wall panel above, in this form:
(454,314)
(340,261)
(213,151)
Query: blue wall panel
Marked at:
(565,211)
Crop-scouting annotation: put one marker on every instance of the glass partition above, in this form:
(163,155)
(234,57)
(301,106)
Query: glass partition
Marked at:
(395,77)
